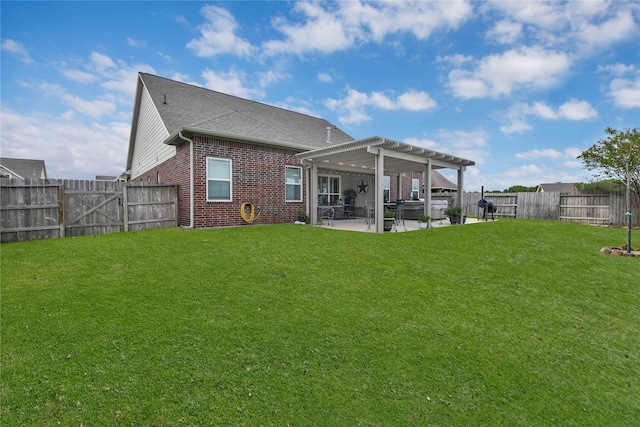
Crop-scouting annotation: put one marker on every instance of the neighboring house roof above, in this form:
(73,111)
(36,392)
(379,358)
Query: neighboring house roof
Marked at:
(439,182)
(558,187)
(22,168)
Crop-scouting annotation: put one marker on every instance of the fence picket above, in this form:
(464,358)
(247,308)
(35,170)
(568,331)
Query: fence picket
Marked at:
(44,209)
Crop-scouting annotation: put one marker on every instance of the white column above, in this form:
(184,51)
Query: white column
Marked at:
(380,192)
(313,191)
(461,191)
(427,188)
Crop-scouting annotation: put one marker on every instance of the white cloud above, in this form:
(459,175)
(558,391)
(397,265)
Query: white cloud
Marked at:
(466,144)
(577,110)
(125,78)
(352,107)
(79,76)
(218,35)
(617,69)
(325,77)
(585,25)
(101,62)
(94,109)
(420,19)
(456,60)
(416,101)
(501,74)
(570,110)
(505,32)
(516,125)
(136,43)
(331,27)
(619,27)
(566,158)
(230,83)
(625,93)
(165,57)
(268,77)
(101,150)
(536,154)
(17,48)
(324,32)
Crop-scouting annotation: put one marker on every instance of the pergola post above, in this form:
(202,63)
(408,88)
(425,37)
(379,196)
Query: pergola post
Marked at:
(380,192)
(426,178)
(460,195)
(313,194)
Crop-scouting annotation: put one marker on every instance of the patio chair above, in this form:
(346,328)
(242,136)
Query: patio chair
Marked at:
(371,212)
(326,212)
(400,215)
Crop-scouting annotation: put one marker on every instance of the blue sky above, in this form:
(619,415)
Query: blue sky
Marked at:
(521,88)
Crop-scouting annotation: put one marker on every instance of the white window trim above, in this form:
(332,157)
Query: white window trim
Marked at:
(287,184)
(230,180)
(386,185)
(415,186)
(338,177)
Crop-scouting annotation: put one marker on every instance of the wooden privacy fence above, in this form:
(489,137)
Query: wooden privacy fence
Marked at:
(44,209)
(583,208)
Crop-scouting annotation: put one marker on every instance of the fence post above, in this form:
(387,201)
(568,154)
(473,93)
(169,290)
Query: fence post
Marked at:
(125,207)
(61,223)
(176,205)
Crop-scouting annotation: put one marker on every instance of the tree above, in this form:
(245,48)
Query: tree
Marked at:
(616,156)
(521,189)
(604,186)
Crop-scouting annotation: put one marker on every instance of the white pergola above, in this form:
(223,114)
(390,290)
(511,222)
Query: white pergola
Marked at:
(376,156)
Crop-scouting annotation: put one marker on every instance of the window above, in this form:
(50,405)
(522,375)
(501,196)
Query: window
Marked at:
(218,180)
(328,190)
(415,189)
(386,189)
(293,184)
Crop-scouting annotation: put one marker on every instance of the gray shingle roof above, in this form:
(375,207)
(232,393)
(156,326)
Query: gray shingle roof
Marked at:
(215,112)
(439,181)
(25,168)
(562,187)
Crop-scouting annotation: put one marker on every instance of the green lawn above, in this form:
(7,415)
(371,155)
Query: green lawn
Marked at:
(509,323)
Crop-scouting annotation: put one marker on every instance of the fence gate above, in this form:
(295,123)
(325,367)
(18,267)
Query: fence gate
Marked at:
(93,207)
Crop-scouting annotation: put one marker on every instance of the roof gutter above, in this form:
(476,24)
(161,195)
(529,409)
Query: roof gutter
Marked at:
(174,138)
(191,203)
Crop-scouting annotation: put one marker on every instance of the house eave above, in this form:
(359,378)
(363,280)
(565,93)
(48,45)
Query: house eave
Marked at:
(174,138)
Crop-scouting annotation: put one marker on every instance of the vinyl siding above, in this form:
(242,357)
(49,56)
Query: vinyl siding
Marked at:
(149,149)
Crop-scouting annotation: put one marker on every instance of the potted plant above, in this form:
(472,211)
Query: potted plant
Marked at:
(350,201)
(453,213)
(424,221)
(349,195)
(389,218)
(302,216)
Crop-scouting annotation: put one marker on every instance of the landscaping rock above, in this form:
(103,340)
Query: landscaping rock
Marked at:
(620,251)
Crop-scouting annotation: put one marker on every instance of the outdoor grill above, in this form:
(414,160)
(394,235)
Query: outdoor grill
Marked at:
(487,207)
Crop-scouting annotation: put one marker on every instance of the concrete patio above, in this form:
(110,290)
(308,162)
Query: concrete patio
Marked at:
(359,224)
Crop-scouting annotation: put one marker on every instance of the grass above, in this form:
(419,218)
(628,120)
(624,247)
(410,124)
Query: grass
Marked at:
(506,323)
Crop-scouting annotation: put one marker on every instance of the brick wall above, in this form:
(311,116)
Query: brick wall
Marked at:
(258,177)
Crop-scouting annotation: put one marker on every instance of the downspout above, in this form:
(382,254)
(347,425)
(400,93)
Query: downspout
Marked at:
(191,209)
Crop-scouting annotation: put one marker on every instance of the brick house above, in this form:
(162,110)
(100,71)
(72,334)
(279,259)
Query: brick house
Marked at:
(226,151)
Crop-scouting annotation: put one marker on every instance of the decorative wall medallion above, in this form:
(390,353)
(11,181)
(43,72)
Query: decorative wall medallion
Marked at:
(363,186)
